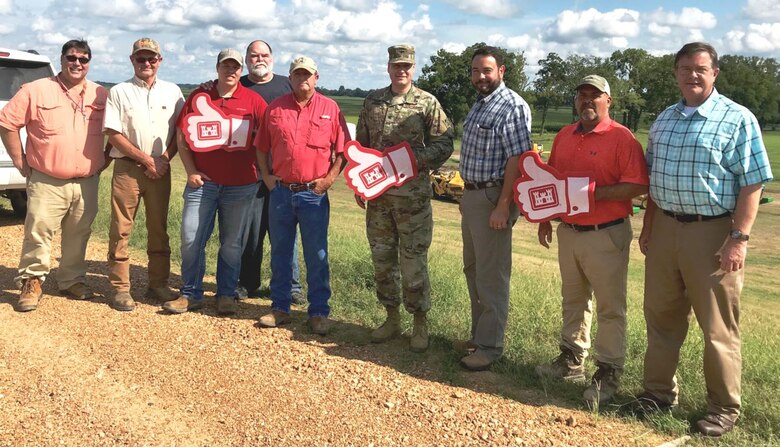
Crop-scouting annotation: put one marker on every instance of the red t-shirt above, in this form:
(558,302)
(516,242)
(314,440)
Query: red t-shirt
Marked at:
(236,166)
(302,140)
(609,154)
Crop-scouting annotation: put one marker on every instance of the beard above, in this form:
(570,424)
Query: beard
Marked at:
(261,70)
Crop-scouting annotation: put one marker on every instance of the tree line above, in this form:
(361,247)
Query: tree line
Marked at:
(642,84)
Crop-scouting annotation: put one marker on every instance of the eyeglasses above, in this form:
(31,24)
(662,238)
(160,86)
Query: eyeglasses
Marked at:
(142,60)
(82,60)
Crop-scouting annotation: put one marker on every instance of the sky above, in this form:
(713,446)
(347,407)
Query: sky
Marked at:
(349,38)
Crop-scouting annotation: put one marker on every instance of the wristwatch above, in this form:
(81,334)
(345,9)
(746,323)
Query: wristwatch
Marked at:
(739,235)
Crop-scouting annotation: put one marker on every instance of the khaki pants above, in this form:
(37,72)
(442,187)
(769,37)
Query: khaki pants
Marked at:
(595,263)
(487,263)
(683,273)
(128,186)
(53,205)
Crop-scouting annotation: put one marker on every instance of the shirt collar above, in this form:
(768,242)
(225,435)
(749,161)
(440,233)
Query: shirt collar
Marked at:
(408,97)
(141,83)
(705,108)
(494,94)
(601,127)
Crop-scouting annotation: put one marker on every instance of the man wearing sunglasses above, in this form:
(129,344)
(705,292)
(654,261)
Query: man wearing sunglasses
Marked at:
(140,124)
(62,161)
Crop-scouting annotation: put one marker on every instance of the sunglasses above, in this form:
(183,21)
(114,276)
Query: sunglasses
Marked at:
(82,60)
(142,60)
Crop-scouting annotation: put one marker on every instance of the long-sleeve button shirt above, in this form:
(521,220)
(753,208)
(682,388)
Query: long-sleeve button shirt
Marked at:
(497,127)
(64,130)
(303,141)
(415,117)
(145,115)
(699,160)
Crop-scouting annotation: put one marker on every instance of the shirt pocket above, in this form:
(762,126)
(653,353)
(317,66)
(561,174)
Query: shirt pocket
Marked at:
(52,118)
(320,132)
(94,115)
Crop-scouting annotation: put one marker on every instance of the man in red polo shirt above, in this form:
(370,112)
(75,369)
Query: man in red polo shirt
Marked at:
(216,129)
(593,247)
(303,134)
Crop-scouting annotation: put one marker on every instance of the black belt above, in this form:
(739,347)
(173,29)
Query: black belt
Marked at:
(688,218)
(297,187)
(597,227)
(482,185)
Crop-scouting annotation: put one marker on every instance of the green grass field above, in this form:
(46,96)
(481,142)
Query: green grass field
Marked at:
(534,319)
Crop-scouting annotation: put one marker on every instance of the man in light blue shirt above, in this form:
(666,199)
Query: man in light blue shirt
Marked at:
(707,164)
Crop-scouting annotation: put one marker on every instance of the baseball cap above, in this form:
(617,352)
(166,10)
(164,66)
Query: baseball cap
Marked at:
(400,53)
(596,81)
(230,53)
(146,43)
(304,62)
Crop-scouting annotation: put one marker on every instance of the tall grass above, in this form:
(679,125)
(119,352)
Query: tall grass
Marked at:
(534,320)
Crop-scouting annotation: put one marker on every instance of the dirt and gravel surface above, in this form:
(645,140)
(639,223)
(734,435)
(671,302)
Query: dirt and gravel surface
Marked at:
(81,374)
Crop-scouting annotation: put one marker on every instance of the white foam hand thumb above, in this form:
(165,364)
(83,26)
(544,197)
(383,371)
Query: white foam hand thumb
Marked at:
(370,173)
(207,127)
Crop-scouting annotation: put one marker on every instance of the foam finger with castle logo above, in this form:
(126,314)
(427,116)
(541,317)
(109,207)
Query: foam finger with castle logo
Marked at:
(209,129)
(542,193)
(370,173)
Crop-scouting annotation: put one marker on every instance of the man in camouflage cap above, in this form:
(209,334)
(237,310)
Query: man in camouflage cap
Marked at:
(399,223)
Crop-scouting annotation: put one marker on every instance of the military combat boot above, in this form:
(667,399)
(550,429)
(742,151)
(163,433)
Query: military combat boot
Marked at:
(390,328)
(419,341)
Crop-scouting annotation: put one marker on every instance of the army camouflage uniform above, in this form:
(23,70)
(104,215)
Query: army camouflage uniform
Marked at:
(400,221)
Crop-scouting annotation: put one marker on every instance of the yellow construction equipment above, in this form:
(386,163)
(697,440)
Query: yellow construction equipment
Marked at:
(447,183)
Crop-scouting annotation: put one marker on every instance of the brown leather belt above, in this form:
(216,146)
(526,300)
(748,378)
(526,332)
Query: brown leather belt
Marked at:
(297,187)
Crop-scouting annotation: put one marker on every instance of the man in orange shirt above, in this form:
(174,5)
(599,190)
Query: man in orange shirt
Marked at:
(593,247)
(62,161)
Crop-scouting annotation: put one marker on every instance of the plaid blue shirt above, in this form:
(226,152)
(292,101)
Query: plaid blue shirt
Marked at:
(497,127)
(698,162)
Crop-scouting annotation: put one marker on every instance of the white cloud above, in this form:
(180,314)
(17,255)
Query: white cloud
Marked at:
(686,18)
(124,8)
(491,8)
(6,6)
(759,38)
(572,26)
(762,9)
(6,29)
(659,30)
(454,47)
(42,24)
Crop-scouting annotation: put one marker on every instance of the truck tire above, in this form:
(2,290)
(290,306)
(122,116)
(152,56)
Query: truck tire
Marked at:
(18,202)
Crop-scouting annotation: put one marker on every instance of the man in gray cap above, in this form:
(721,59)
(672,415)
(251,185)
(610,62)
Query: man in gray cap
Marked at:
(300,154)
(399,223)
(593,247)
(216,130)
(140,124)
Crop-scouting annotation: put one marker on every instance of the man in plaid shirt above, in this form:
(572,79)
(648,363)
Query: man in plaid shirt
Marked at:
(707,164)
(496,131)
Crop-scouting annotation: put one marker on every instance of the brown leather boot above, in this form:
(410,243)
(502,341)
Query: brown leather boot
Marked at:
(391,328)
(419,340)
(30,296)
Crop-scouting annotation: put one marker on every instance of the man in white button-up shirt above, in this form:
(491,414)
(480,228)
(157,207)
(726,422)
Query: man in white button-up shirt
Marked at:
(139,121)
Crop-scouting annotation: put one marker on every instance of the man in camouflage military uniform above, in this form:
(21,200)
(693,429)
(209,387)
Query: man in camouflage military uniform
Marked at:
(399,223)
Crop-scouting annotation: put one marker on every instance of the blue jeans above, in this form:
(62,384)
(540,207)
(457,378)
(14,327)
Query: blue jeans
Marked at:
(252,258)
(231,205)
(312,212)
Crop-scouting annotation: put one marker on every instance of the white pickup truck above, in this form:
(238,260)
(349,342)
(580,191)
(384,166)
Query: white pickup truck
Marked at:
(16,68)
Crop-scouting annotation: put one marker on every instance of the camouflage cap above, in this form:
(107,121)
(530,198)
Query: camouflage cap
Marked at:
(147,44)
(401,53)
